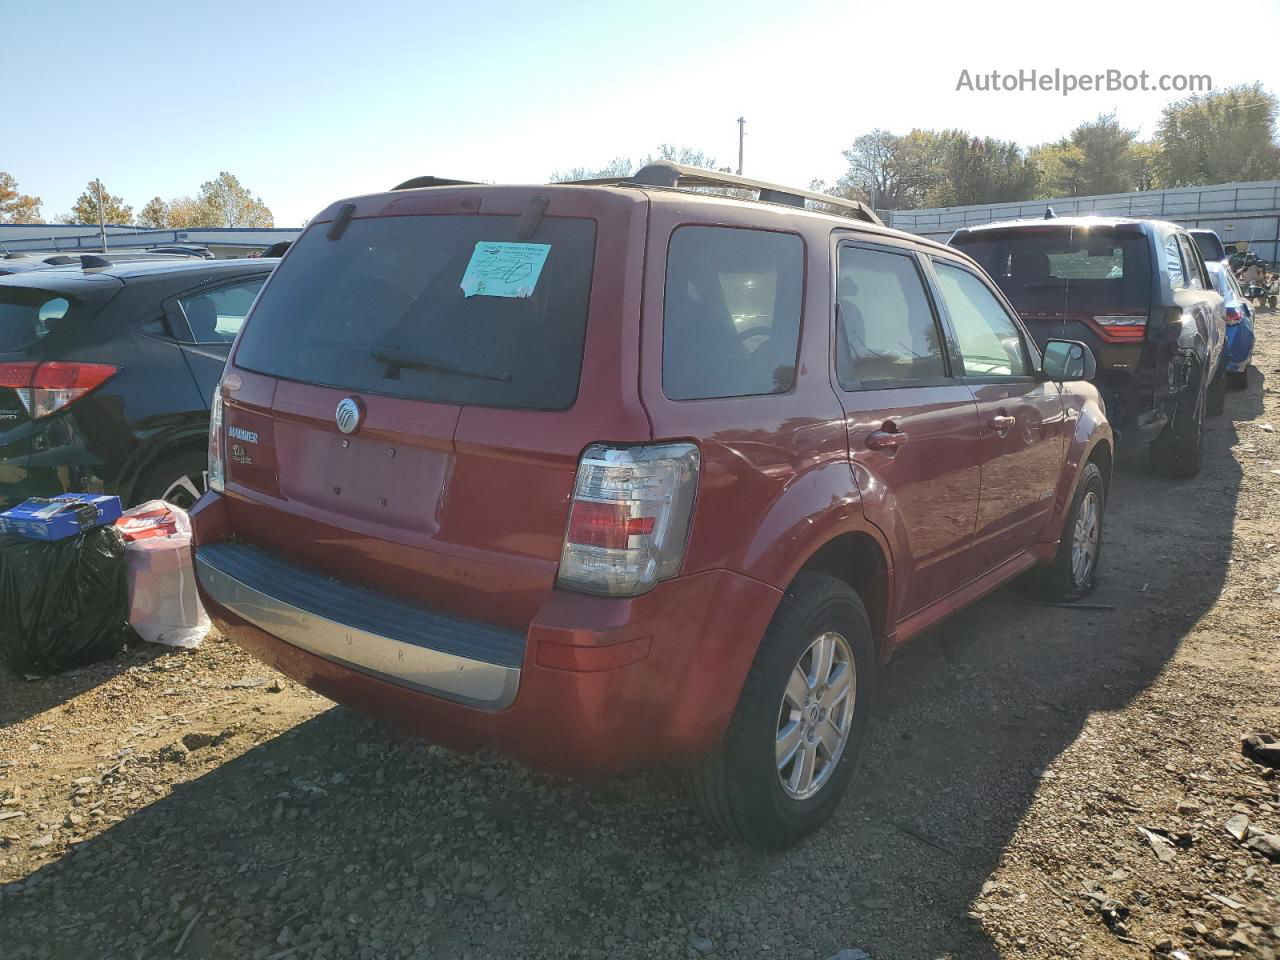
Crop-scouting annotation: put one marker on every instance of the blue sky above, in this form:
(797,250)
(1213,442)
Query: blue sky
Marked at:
(308,102)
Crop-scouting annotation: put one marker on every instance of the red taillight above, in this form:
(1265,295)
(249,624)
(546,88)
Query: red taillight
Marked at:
(596,524)
(1122,328)
(46,388)
(1233,316)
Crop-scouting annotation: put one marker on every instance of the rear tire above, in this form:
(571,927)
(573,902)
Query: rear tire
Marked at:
(775,778)
(1070,576)
(1216,396)
(180,478)
(1178,450)
(1238,379)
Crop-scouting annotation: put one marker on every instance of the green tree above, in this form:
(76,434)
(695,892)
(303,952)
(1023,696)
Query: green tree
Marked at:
(16,207)
(980,170)
(1220,137)
(231,205)
(155,214)
(1148,170)
(1057,169)
(1105,162)
(85,209)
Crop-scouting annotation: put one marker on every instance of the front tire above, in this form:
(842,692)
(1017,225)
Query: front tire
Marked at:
(795,735)
(1238,379)
(1073,574)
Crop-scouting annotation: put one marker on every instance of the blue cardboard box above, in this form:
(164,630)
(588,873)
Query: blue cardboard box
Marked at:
(57,518)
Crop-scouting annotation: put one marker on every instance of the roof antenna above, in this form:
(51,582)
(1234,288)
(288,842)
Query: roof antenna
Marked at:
(1048,213)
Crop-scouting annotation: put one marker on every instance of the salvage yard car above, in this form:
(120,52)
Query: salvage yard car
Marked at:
(1136,291)
(107,373)
(1239,314)
(618,475)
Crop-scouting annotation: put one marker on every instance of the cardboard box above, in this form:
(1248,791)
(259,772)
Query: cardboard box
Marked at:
(57,518)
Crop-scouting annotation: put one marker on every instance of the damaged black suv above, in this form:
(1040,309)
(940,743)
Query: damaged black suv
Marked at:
(1136,291)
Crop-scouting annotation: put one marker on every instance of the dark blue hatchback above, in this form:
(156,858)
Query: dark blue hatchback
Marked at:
(107,372)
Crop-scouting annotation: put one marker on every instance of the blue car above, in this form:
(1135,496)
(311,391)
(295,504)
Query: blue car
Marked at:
(1239,345)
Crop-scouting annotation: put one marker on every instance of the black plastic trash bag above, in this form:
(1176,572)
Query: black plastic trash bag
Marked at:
(62,604)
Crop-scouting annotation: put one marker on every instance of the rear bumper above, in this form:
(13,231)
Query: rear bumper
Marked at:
(593,686)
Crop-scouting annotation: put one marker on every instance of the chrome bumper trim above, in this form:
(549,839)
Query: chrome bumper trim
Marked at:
(474,682)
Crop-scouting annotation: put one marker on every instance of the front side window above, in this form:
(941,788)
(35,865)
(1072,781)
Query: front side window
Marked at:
(989,342)
(731,313)
(887,330)
(216,316)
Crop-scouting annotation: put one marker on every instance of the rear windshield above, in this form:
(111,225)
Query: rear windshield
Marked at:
(382,310)
(1090,271)
(1211,247)
(28,315)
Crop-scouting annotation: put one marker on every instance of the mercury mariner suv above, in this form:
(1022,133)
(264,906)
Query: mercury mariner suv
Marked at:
(638,473)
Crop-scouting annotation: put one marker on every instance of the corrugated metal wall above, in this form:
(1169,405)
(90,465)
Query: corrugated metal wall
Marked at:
(1237,211)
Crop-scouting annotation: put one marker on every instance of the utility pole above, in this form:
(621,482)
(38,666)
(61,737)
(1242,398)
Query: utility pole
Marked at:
(742,132)
(102,216)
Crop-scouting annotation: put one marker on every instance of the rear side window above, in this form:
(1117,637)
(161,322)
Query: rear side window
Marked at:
(1191,260)
(731,314)
(887,328)
(382,310)
(1173,262)
(28,315)
(1095,271)
(215,316)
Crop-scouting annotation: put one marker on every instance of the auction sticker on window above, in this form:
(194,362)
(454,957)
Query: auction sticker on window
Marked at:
(501,269)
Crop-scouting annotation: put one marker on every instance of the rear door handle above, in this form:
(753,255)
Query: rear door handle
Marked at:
(885,440)
(1002,423)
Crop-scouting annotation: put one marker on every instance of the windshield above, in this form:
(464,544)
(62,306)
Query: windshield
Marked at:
(27,315)
(1069,269)
(383,310)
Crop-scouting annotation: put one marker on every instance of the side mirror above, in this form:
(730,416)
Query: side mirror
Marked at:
(1068,360)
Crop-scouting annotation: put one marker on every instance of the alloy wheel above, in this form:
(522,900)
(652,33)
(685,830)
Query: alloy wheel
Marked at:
(186,490)
(1085,537)
(815,716)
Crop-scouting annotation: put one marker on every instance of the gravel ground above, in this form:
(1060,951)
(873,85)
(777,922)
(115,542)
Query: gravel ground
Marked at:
(1041,782)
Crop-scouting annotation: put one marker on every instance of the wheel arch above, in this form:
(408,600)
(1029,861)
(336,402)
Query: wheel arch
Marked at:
(860,560)
(155,451)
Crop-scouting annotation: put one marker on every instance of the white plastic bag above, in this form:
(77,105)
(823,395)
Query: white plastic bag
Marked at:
(164,606)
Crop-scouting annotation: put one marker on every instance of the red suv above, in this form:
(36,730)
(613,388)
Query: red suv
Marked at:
(614,475)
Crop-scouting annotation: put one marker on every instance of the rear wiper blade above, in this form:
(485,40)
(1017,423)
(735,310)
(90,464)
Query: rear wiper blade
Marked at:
(396,359)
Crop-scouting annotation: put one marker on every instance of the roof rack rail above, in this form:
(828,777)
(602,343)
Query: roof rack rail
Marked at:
(89,261)
(416,182)
(668,174)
